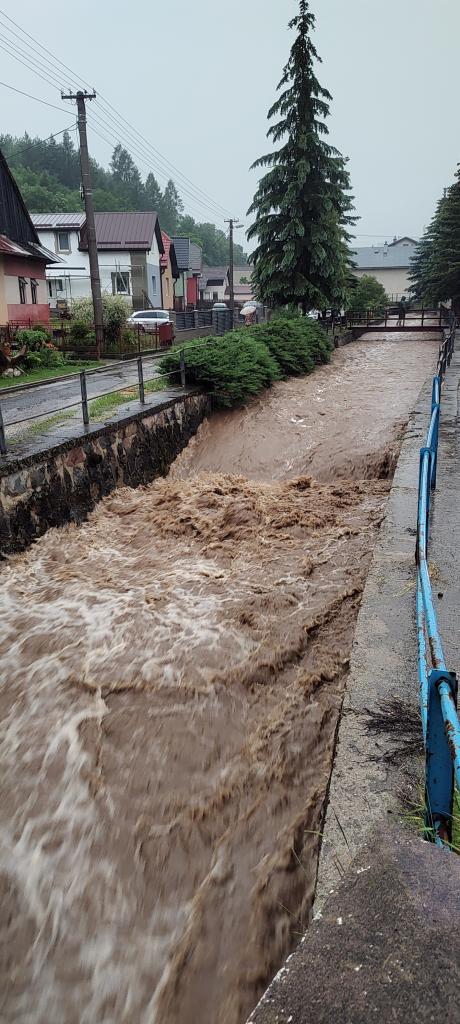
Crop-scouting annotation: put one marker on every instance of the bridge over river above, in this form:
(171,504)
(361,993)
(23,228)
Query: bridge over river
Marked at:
(173,674)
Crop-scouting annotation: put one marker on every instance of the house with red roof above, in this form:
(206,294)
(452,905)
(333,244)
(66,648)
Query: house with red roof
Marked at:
(23,260)
(169,271)
(129,247)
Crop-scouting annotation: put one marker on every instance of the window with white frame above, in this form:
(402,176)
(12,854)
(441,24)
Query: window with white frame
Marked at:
(34,290)
(63,241)
(154,284)
(22,290)
(120,283)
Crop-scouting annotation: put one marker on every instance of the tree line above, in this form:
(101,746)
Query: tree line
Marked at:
(48,175)
(435,266)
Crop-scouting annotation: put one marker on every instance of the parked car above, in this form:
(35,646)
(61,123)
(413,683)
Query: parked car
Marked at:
(149,319)
(220,305)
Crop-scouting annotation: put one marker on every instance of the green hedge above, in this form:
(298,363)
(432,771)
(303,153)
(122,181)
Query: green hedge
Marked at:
(245,361)
(297,343)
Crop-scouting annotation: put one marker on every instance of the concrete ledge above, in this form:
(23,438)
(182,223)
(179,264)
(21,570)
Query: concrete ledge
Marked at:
(64,477)
(386,947)
(364,788)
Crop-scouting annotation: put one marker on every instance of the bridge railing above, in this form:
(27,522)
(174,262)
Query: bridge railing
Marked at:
(438,685)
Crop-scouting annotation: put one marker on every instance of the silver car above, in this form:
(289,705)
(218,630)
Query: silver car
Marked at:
(149,319)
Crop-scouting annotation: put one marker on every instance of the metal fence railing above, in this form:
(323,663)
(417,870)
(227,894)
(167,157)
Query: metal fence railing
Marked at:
(438,685)
(132,367)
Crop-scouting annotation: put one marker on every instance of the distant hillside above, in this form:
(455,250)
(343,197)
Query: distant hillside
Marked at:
(48,174)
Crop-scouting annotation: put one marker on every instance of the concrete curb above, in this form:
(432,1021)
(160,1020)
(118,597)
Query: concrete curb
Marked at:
(363,789)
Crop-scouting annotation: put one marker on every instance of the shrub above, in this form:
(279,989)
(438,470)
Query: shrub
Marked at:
(31,361)
(47,356)
(115,311)
(233,367)
(34,338)
(368,293)
(297,343)
(79,333)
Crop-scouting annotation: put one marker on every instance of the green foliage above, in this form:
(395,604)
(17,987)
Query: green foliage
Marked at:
(297,343)
(244,362)
(115,311)
(234,367)
(40,350)
(301,206)
(33,337)
(79,333)
(367,294)
(435,265)
(48,174)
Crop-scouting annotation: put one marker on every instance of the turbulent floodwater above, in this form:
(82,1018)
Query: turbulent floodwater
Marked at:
(172,679)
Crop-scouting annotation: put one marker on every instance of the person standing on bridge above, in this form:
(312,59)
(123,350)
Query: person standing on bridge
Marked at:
(401,312)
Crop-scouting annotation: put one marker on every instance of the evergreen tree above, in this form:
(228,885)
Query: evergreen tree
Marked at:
(153,194)
(171,209)
(301,206)
(442,251)
(126,177)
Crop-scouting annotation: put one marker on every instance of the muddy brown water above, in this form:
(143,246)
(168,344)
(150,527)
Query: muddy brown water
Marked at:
(172,678)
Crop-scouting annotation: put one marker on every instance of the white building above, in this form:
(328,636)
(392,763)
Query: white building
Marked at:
(388,263)
(129,249)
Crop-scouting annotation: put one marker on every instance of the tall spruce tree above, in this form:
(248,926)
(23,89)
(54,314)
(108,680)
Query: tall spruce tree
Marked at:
(302,204)
(435,266)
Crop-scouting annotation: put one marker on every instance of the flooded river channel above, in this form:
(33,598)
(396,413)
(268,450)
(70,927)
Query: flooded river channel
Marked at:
(172,678)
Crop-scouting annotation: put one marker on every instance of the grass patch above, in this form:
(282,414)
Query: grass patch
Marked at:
(247,360)
(45,372)
(112,401)
(41,427)
(400,721)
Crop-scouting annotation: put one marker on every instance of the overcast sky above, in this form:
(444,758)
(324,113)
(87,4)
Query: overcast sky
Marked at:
(197,79)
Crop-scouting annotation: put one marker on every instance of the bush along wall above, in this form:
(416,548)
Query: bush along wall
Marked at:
(245,361)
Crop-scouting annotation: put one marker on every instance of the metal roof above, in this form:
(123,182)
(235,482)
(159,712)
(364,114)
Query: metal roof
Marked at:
(31,250)
(213,274)
(58,220)
(182,247)
(397,255)
(126,231)
(15,222)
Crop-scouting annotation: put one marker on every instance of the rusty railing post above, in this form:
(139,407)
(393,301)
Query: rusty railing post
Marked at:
(2,435)
(140,374)
(84,398)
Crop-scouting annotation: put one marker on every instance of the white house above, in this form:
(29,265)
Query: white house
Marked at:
(389,263)
(129,249)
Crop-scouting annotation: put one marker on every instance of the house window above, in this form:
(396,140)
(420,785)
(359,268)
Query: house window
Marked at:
(215,296)
(55,286)
(154,284)
(22,290)
(120,283)
(33,290)
(63,241)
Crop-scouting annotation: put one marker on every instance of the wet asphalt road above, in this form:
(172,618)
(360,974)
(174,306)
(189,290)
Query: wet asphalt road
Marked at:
(22,405)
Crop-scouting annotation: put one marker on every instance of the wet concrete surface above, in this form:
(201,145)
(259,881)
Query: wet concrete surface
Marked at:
(364,787)
(385,948)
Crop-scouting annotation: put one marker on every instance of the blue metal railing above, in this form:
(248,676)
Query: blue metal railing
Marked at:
(438,686)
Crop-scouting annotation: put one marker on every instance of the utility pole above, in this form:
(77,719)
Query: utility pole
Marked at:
(233,222)
(81,97)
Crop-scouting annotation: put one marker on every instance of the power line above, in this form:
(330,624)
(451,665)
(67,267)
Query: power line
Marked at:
(16,50)
(40,141)
(30,97)
(211,202)
(146,160)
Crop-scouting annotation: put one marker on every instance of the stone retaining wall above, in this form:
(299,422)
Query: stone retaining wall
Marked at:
(65,482)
